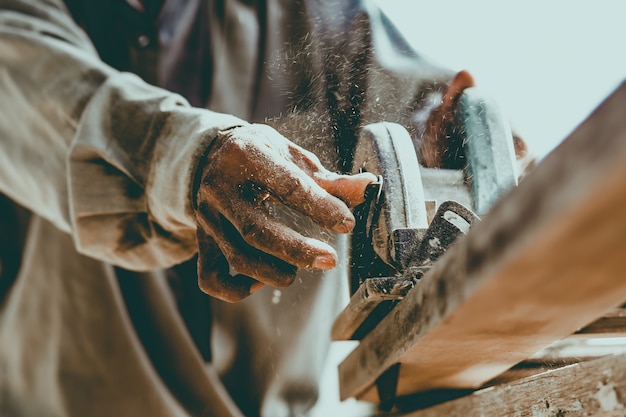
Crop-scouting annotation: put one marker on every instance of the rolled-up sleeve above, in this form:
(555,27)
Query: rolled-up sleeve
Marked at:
(101,154)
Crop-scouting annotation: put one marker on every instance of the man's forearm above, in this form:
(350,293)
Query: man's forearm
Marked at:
(101,154)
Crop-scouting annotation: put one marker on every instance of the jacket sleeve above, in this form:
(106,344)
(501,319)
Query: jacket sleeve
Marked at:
(99,153)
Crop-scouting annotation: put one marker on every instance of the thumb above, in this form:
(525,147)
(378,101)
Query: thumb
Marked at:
(348,188)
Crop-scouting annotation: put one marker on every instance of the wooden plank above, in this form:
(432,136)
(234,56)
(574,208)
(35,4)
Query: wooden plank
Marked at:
(595,388)
(611,324)
(576,348)
(570,351)
(545,262)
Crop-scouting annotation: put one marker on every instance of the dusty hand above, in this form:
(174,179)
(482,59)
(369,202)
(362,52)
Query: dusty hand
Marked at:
(247,168)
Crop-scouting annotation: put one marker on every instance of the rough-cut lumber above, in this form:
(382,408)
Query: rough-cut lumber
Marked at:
(593,388)
(569,351)
(547,260)
(612,324)
(574,349)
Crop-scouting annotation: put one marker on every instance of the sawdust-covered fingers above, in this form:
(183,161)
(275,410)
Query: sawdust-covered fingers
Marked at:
(248,170)
(293,186)
(230,269)
(259,155)
(300,192)
(348,188)
(261,230)
(214,276)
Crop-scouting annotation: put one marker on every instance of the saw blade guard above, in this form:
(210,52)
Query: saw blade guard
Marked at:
(386,149)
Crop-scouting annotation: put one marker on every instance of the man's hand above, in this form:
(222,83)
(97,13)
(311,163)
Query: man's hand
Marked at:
(248,168)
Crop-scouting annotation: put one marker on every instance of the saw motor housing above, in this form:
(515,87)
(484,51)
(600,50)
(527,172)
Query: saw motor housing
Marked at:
(413,214)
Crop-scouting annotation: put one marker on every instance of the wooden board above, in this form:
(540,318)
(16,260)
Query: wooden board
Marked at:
(565,352)
(546,261)
(580,347)
(612,324)
(596,388)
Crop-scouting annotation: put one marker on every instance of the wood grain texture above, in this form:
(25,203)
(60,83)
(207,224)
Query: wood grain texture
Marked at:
(545,262)
(612,324)
(594,388)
